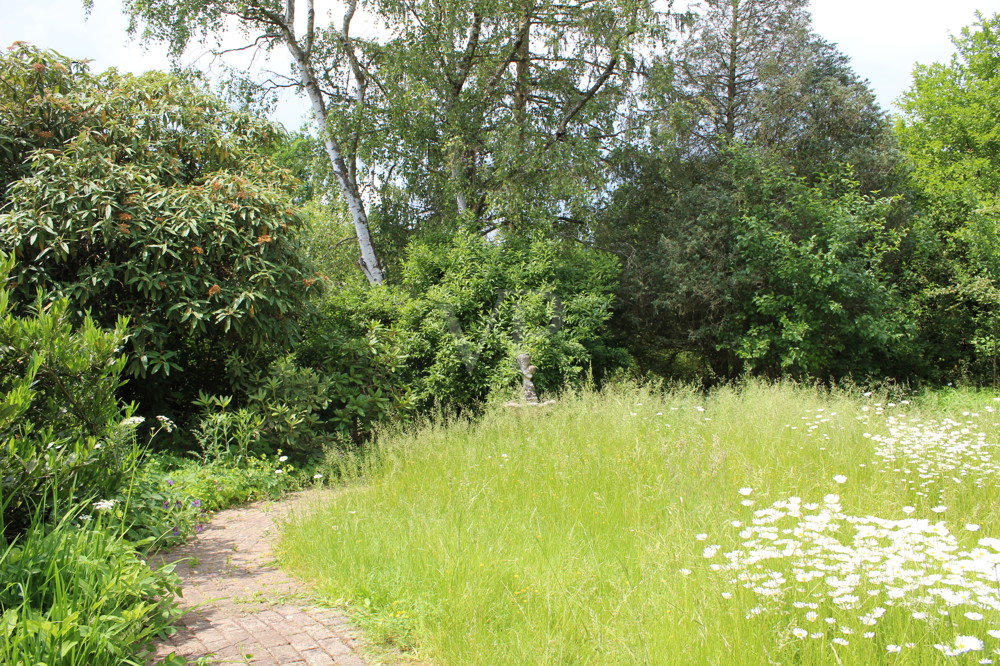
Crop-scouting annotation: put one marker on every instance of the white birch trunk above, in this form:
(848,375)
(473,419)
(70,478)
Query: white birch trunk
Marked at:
(369,260)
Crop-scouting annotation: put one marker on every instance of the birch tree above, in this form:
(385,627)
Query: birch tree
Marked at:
(500,113)
(271,24)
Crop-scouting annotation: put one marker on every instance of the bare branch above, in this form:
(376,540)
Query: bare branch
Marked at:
(255,44)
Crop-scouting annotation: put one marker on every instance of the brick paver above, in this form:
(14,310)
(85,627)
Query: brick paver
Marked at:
(242,609)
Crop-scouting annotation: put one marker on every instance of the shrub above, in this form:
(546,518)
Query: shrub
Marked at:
(476,304)
(448,335)
(355,347)
(147,197)
(192,487)
(62,436)
(824,304)
(737,264)
(290,402)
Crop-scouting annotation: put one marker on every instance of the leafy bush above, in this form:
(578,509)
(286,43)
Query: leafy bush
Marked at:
(823,304)
(62,436)
(286,411)
(78,593)
(477,304)
(736,263)
(464,310)
(193,487)
(290,401)
(355,347)
(149,198)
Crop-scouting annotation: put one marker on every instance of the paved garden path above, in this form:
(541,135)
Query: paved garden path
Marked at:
(242,608)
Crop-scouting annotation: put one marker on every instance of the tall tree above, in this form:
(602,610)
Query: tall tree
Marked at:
(481,113)
(750,88)
(272,23)
(753,71)
(735,46)
(950,128)
(509,105)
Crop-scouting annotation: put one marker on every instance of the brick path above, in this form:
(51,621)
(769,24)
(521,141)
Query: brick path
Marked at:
(243,609)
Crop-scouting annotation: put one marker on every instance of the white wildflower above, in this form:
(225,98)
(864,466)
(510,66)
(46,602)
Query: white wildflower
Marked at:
(105,505)
(967,644)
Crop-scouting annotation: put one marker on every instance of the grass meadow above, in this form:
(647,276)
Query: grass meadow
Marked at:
(765,524)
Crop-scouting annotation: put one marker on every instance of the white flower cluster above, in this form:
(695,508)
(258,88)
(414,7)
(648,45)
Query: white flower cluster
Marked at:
(840,571)
(929,452)
(105,505)
(824,558)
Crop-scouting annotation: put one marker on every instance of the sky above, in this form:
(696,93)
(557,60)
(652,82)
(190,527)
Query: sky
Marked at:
(883,38)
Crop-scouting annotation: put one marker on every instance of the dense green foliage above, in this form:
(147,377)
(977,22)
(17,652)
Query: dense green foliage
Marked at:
(148,199)
(950,130)
(466,308)
(823,303)
(80,502)
(734,263)
(63,439)
(79,594)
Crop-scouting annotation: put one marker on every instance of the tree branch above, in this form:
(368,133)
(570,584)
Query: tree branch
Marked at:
(560,132)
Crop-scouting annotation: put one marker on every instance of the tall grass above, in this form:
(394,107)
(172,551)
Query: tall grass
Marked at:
(596,532)
(75,593)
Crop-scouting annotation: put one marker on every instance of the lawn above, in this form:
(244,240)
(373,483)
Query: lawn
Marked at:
(769,523)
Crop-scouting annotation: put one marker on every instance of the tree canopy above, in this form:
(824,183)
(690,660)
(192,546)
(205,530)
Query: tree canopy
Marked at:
(950,128)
